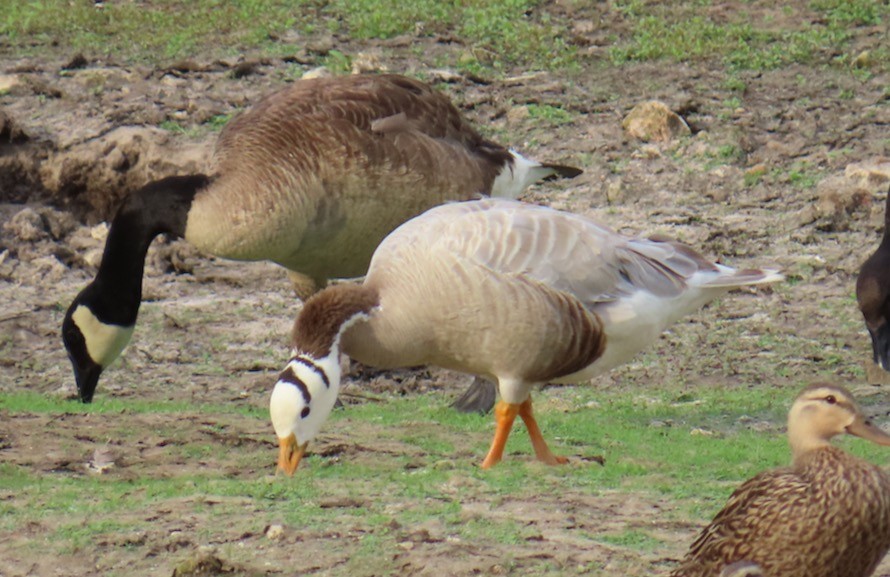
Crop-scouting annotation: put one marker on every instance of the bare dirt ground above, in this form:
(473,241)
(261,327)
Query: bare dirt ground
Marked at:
(792,173)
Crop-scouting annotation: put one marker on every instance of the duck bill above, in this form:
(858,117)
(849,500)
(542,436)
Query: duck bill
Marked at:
(290,453)
(862,427)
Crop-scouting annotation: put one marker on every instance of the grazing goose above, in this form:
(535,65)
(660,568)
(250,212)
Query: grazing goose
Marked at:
(827,515)
(517,293)
(312,177)
(873,295)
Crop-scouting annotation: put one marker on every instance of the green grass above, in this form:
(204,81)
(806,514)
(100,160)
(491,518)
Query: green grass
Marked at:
(153,31)
(748,41)
(498,34)
(651,440)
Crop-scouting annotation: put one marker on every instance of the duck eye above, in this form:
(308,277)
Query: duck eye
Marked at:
(830,399)
(305,412)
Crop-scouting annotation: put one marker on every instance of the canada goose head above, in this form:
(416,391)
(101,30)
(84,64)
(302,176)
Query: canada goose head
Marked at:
(822,411)
(307,388)
(742,569)
(92,345)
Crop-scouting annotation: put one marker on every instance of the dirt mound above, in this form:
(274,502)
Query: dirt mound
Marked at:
(91,178)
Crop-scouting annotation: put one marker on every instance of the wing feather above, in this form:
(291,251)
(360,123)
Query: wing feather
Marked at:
(565,251)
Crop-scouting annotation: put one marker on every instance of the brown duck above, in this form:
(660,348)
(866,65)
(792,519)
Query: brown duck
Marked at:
(312,178)
(827,515)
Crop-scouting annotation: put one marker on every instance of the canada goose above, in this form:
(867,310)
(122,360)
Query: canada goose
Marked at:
(873,295)
(827,515)
(312,177)
(513,292)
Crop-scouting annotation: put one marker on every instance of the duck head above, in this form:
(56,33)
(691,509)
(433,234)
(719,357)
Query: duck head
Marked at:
(822,411)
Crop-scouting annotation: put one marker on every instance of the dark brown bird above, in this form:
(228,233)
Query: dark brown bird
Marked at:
(873,295)
(827,515)
(312,178)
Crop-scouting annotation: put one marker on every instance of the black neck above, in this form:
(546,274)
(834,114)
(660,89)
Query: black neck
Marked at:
(159,207)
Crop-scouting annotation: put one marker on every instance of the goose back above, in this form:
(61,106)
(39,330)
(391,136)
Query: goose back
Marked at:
(314,176)
(509,290)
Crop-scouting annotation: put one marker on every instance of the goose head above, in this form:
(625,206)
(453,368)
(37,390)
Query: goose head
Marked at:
(823,411)
(92,344)
(307,388)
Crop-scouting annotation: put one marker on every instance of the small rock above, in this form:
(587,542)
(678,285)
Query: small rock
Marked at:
(49,268)
(862,60)
(615,191)
(871,174)
(517,114)
(654,121)
(406,545)
(275,532)
(756,171)
(245,69)
(447,76)
(59,224)
(699,432)
(26,226)
(78,61)
(8,82)
(99,232)
(321,45)
(318,72)
(204,564)
(366,62)
(102,461)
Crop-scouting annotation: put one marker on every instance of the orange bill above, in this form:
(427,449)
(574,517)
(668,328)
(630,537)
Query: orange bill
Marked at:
(290,453)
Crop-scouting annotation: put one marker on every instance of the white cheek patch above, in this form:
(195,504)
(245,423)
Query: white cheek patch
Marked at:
(104,342)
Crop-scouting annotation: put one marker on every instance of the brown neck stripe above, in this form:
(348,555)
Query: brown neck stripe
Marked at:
(315,368)
(289,376)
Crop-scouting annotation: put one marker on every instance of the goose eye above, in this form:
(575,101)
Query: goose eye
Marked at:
(830,399)
(305,412)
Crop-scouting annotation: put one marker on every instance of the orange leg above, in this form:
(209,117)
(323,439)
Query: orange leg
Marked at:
(542,451)
(504,415)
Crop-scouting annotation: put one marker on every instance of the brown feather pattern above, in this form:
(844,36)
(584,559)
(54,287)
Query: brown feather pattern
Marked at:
(827,515)
(304,179)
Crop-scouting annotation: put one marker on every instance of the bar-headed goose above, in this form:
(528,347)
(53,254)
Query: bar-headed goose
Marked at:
(312,177)
(517,293)
(827,515)
(873,295)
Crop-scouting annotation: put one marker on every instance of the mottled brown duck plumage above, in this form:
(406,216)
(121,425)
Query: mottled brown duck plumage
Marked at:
(827,515)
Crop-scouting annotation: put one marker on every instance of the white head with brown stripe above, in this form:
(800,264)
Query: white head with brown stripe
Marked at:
(308,386)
